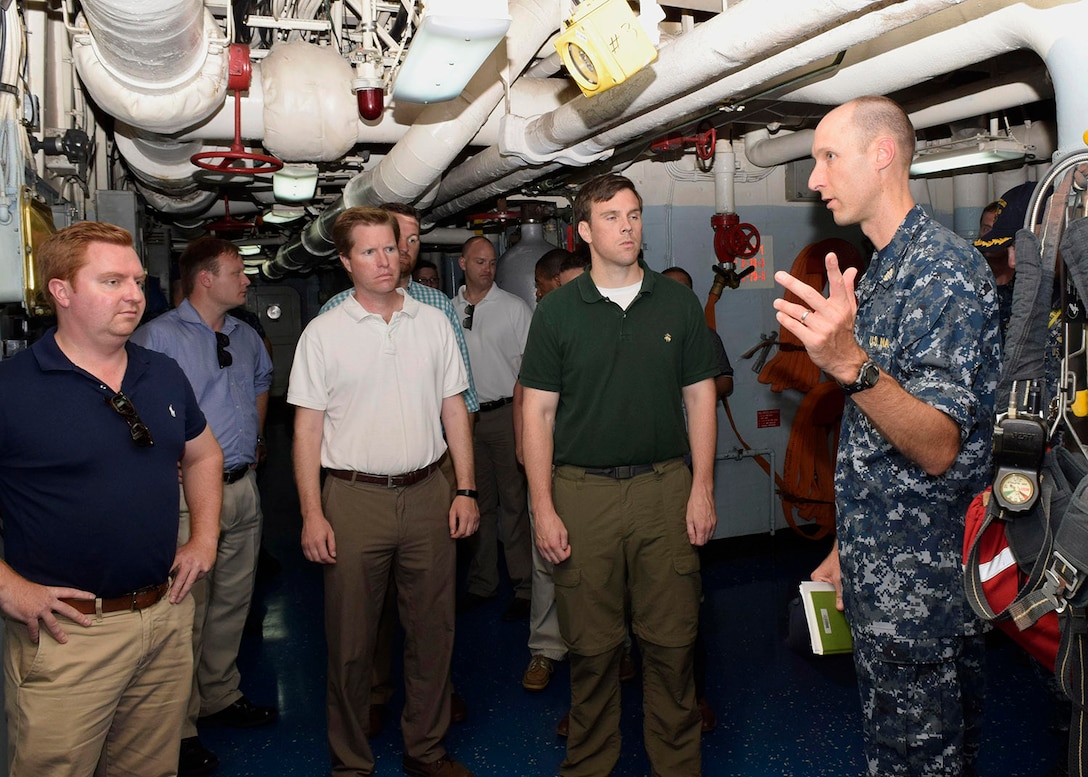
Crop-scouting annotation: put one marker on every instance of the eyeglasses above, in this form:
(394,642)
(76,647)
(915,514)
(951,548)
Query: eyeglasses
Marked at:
(470,310)
(221,343)
(137,429)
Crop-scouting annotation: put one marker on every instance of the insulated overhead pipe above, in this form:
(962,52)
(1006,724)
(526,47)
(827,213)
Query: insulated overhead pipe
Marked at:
(585,130)
(439,135)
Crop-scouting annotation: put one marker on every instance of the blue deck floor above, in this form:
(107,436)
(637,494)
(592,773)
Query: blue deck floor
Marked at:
(779,713)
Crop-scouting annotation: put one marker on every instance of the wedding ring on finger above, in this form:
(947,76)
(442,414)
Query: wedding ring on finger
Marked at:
(805,315)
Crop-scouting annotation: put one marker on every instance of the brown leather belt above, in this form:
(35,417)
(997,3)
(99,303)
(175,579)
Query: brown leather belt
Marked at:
(389,481)
(137,600)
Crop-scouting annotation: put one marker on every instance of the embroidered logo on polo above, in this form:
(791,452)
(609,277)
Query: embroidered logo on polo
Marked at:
(668,338)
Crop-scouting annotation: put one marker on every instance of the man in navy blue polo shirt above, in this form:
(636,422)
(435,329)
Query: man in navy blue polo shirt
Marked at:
(94,588)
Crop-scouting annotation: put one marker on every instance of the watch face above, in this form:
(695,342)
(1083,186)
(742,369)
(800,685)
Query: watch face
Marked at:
(1016,489)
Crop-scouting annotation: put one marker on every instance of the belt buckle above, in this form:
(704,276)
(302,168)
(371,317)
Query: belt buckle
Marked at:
(389,481)
(626,472)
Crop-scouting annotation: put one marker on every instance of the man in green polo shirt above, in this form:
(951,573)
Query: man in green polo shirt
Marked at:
(612,362)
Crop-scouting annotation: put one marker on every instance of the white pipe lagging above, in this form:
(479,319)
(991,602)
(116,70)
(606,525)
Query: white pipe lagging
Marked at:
(612,118)
(1053,29)
(688,62)
(414,164)
(725,160)
(151,62)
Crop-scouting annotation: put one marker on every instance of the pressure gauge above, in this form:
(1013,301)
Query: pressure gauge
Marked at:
(273,312)
(1016,489)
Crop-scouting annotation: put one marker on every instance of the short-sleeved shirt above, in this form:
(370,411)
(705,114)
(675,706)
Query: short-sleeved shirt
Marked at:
(83,505)
(496,341)
(380,385)
(227,395)
(436,299)
(619,373)
(928,315)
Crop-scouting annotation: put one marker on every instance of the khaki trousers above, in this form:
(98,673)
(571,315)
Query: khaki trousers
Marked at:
(378,530)
(629,538)
(504,509)
(108,702)
(222,600)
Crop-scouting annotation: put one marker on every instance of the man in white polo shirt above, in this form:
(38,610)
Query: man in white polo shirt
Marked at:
(375,381)
(496,324)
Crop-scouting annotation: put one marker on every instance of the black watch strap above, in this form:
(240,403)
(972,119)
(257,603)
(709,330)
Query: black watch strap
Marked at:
(471,493)
(868,375)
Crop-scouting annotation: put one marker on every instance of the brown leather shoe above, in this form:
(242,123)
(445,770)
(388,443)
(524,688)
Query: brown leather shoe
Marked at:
(458,709)
(706,713)
(443,767)
(539,673)
(562,729)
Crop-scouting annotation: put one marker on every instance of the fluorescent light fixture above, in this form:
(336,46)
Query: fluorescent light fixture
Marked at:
(282,214)
(453,40)
(295,183)
(973,152)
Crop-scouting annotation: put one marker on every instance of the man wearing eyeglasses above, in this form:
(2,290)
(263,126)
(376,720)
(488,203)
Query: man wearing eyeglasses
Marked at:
(375,382)
(496,324)
(94,587)
(230,370)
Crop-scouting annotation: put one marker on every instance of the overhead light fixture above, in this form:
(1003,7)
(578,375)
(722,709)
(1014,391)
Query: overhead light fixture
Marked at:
(603,45)
(295,183)
(248,250)
(453,40)
(971,152)
(283,214)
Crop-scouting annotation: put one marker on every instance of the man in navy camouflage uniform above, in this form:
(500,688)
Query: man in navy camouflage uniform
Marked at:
(918,352)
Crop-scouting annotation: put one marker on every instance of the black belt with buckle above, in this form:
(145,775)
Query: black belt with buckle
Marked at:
(234,475)
(389,481)
(622,473)
(495,404)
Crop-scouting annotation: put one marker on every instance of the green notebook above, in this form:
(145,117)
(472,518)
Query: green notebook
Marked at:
(827,627)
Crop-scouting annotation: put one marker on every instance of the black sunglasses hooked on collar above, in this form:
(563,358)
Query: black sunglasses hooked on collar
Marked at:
(470,310)
(224,356)
(137,429)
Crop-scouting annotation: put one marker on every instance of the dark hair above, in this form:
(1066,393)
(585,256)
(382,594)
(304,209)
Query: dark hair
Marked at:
(404,209)
(64,252)
(577,259)
(551,264)
(424,264)
(202,254)
(681,272)
(366,217)
(601,189)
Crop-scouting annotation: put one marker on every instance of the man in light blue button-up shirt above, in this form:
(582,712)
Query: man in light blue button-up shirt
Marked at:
(231,372)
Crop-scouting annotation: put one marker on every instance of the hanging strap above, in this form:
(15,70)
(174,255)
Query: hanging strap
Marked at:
(1022,608)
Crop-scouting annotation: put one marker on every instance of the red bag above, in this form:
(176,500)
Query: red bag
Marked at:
(1002,581)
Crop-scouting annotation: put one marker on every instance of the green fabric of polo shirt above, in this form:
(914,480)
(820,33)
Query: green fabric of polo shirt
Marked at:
(619,373)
